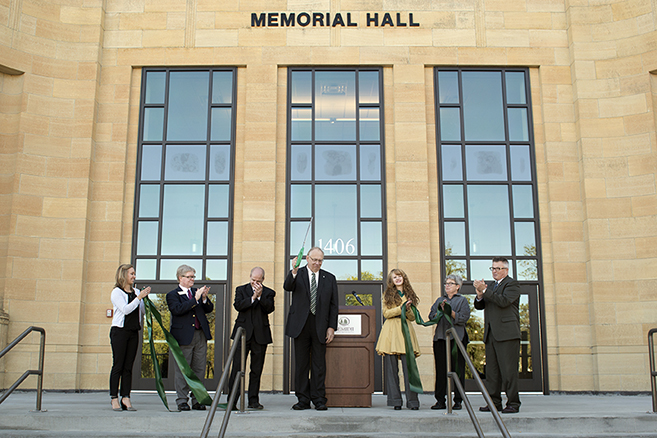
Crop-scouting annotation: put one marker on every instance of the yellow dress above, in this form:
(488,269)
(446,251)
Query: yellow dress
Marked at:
(391,338)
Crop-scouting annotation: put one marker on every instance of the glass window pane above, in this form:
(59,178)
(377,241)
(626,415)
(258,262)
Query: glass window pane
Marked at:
(483,113)
(217,240)
(480,269)
(335,219)
(218,200)
(188,106)
(525,239)
(300,200)
(371,270)
(153,124)
(452,166)
(520,165)
(450,124)
(371,239)
(335,106)
(369,124)
(221,124)
(457,267)
(485,163)
(168,267)
(370,163)
(220,163)
(453,201)
(523,202)
(301,87)
(151,162)
(182,219)
(298,232)
(145,269)
(147,238)
(515,87)
(300,163)
(518,128)
(155,82)
(216,270)
(185,163)
(448,87)
(368,87)
(488,220)
(222,87)
(149,200)
(370,201)
(301,124)
(455,238)
(335,163)
(527,270)
(342,269)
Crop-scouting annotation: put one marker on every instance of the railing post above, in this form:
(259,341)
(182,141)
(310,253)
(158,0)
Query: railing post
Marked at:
(653,373)
(42,353)
(243,374)
(448,355)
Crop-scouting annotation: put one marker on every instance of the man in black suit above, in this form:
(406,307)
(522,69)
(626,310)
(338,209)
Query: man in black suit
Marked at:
(312,321)
(254,302)
(189,325)
(500,302)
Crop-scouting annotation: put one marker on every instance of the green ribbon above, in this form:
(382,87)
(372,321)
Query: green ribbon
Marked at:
(414,380)
(195,384)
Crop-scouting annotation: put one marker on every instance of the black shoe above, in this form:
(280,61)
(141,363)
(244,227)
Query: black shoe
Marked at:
(183,407)
(300,407)
(397,408)
(415,408)
(457,406)
(198,407)
(321,407)
(510,410)
(487,409)
(255,405)
(439,405)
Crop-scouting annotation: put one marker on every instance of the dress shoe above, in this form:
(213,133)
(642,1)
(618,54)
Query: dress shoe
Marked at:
(198,407)
(487,409)
(300,407)
(415,408)
(439,405)
(457,406)
(321,407)
(397,408)
(255,405)
(183,407)
(127,408)
(510,410)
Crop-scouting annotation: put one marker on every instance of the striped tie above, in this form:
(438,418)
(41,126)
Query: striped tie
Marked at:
(313,293)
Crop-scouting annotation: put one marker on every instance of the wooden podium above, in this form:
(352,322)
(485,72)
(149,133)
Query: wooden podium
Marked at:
(350,358)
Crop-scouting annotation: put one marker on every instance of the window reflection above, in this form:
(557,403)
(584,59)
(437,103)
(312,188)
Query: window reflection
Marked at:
(168,267)
(300,163)
(368,87)
(216,270)
(297,234)
(218,200)
(335,163)
(301,124)
(145,268)
(301,87)
(371,270)
(153,124)
(222,87)
(518,127)
(448,87)
(185,163)
(147,238)
(515,87)
(182,219)
(520,165)
(450,124)
(455,238)
(483,111)
(342,269)
(220,162)
(188,106)
(221,124)
(370,162)
(369,124)
(370,236)
(370,201)
(453,201)
(525,239)
(155,83)
(485,163)
(300,200)
(523,201)
(217,240)
(335,106)
(451,163)
(335,219)
(489,224)
(151,162)
(149,201)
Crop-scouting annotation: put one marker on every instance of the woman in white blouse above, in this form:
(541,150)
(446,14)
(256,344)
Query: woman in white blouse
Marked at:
(124,334)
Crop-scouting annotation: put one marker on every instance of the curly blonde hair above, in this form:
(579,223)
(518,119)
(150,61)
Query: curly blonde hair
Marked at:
(391,298)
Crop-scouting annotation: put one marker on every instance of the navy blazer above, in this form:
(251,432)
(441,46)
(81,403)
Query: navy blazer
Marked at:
(254,316)
(326,312)
(501,312)
(183,310)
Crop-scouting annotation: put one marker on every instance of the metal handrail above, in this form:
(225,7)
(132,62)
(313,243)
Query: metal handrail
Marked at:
(453,377)
(653,371)
(241,338)
(39,372)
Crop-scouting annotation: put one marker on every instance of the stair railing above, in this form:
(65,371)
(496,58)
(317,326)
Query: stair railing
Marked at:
(454,377)
(26,374)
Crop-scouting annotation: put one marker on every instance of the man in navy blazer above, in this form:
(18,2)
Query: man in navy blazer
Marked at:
(312,321)
(189,325)
(254,302)
(500,302)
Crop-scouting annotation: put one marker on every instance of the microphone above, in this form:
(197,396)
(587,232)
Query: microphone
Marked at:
(353,292)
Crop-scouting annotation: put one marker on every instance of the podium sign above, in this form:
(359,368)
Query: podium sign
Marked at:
(350,358)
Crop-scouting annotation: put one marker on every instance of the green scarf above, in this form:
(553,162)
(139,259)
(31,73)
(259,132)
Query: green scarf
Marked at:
(194,383)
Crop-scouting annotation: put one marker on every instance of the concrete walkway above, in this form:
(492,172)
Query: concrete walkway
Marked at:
(89,414)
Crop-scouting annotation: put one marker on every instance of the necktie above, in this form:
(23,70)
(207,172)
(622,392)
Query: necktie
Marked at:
(197,324)
(496,284)
(313,293)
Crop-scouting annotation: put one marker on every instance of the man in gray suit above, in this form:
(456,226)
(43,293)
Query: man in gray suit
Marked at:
(500,301)
(311,322)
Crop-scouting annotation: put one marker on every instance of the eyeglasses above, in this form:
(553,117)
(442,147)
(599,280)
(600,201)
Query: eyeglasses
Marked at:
(493,268)
(315,260)
(191,277)
(449,284)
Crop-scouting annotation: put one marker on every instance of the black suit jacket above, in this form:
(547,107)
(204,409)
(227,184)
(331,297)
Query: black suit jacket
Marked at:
(183,311)
(326,312)
(501,314)
(253,316)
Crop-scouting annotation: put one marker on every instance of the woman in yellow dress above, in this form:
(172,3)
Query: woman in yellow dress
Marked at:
(399,294)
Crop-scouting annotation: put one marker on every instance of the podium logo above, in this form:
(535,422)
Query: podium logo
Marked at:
(344,321)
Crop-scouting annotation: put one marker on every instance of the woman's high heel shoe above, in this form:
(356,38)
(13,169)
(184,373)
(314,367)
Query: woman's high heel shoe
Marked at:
(127,408)
(119,409)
